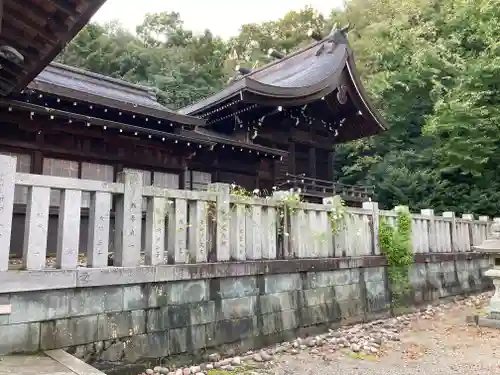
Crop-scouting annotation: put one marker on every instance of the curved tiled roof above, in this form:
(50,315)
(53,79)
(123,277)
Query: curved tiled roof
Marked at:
(298,78)
(82,85)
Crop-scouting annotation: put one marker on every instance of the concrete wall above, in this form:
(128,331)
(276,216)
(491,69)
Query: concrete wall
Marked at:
(168,310)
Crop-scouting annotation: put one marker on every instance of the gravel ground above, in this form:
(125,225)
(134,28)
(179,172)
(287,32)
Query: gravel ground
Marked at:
(436,340)
(438,344)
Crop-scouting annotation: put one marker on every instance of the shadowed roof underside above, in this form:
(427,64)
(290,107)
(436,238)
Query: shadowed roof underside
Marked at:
(33,32)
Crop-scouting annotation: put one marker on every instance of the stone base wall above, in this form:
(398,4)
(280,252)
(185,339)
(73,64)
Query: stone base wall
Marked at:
(220,306)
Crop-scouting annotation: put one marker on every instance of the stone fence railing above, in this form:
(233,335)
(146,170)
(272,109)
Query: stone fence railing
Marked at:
(146,225)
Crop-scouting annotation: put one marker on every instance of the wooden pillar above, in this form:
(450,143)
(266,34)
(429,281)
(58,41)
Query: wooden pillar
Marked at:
(331,160)
(312,162)
(37,164)
(291,158)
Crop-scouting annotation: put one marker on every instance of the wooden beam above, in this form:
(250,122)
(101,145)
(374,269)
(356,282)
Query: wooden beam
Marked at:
(64,6)
(1,14)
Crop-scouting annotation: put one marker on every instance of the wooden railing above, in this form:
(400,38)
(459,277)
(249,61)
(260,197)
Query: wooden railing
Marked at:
(182,226)
(322,188)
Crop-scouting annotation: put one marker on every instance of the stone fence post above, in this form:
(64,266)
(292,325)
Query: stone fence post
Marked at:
(470,229)
(332,244)
(128,220)
(486,220)
(375,223)
(453,231)
(7,185)
(429,212)
(222,219)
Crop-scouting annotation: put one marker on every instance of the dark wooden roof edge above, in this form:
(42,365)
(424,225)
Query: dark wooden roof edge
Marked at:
(356,79)
(80,79)
(228,140)
(97,121)
(77,26)
(182,135)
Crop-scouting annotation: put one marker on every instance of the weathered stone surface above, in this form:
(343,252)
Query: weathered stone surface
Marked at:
(151,345)
(374,274)
(270,303)
(237,287)
(18,338)
(318,296)
(226,331)
(38,306)
(347,292)
(178,316)
(237,307)
(282,283)
(331,278)
(87,277)
(182,292)
(122,324)
(135,297)
(68,332)
(377,297)
(23,281)
(89,301)
(178,340)
(132,321)
(199,337)
(278,322)
(319,314)
(202,313)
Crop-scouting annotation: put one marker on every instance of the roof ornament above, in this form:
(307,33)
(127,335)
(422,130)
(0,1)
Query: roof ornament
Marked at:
(342,94)
(242,70)
(313,34)
(273,53)
(336,36)
(11,54)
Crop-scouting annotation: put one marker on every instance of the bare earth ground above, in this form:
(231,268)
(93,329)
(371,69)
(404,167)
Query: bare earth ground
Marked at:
(442,343)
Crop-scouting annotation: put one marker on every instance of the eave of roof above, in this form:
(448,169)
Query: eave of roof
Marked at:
(40,19)
(81,85)
(209,135)
(198,136)
(54,112)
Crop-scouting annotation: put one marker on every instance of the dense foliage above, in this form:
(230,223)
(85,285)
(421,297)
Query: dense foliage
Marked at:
(395,243)
(431,66)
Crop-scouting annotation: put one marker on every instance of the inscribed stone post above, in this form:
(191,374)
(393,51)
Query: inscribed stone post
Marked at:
(222,219)
(68,232)
(128,220)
